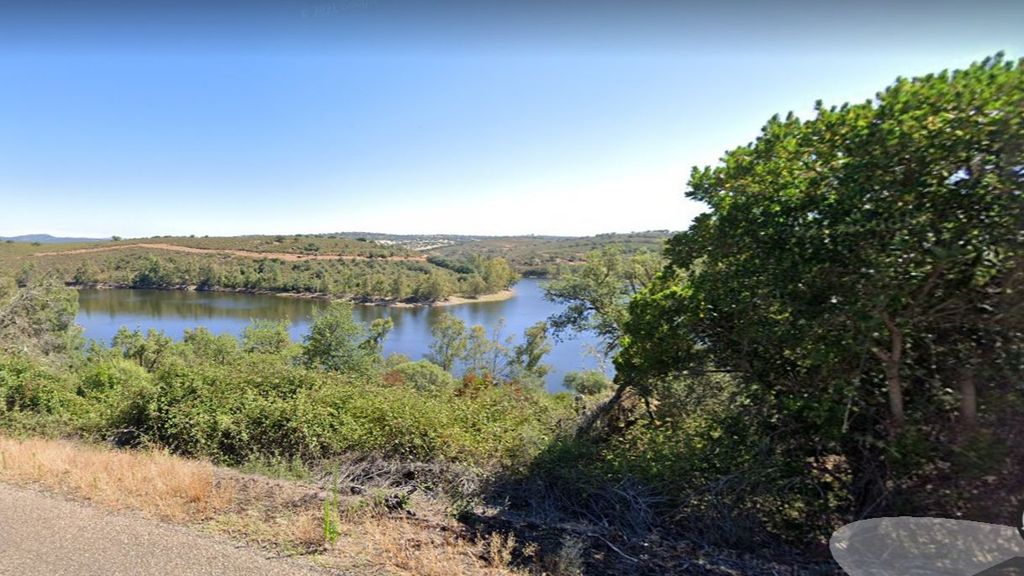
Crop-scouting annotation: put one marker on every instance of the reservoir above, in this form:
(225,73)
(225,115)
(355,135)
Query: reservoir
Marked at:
(102,312)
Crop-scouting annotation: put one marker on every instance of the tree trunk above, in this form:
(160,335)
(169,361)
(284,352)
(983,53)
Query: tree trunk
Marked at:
(892,360)
(895,385)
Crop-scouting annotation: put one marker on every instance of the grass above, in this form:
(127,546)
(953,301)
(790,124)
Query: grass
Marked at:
(155,483)
(334,530)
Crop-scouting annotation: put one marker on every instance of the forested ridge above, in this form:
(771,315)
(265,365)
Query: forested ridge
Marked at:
(839,336)
(375,277)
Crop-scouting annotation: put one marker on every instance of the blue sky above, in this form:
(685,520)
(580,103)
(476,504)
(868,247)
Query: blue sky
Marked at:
(473,118)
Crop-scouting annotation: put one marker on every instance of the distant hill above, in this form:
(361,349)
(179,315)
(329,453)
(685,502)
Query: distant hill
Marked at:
(47,239)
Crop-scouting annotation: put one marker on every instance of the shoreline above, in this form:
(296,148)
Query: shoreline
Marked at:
(501,296)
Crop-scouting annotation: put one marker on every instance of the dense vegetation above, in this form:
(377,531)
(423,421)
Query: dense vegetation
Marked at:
(264,397)
(362,279)
(546,256)
(840,336)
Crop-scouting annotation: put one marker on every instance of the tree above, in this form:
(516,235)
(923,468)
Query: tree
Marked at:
(85,274)
(336,341)
(475,286)
(841,257)
(527,357)
(497,274)
(434,287)
(596,294)
(424,376)
(147,351)
(587,382)
(265,337)
(379,330)
(485,355)
(39,318)
(449,341)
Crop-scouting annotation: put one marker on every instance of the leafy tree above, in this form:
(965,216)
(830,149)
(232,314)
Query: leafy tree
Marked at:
(147,351)
(527,358)
(424,376)
(847,260)
(596,294)
(449,341)
(336,341)
(205,344)
(379,330)
(587,382)
(475,286)
(266,337)
(151,274)
(484,354)
(433,287)
(39,318)
(497,274)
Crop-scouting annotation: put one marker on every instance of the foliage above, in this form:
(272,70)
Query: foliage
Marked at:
(449,341)
(539,256)
(39,319)
(338,343)
(852,272)
(265,337)
(527,358)
(146,351)
(210,396)
(366,275)
(422,375)
(588,382)
(595,295)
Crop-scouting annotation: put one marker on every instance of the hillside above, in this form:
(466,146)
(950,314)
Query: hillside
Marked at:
(322,265)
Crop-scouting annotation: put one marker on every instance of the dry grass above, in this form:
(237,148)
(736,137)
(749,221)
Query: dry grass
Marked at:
(411,548)
(154,483)
(259,510)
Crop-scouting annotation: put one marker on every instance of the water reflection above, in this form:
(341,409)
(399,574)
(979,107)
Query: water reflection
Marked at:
(102,312)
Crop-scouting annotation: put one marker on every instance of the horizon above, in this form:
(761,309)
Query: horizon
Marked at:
(334,233)
(457,119)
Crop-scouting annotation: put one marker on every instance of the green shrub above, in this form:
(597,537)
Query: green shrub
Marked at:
(119,393)
(422,375)
(266,337)
(587,382)
(25,385)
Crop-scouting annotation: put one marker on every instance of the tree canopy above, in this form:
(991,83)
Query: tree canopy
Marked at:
(853,269)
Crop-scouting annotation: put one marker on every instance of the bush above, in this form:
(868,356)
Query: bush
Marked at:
(266,337)
(422,375)
(119,393)
(587,382)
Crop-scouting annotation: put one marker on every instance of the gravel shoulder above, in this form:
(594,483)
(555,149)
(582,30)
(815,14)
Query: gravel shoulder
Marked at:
(43,534)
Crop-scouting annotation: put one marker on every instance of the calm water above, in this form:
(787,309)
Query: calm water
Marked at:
(102,312)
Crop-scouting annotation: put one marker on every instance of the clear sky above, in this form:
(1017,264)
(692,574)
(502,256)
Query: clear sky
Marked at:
(148,118)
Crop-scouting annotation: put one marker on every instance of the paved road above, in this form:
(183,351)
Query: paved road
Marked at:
(41,534)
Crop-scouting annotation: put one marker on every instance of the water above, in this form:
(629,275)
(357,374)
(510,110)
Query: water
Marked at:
(102,312)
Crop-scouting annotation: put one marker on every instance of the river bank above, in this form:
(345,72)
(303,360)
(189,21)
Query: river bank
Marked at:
(389,302)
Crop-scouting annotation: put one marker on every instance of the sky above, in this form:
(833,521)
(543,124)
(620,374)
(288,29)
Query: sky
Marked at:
(306,116)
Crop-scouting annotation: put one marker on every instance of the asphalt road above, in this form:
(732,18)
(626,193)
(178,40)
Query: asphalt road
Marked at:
(42,534)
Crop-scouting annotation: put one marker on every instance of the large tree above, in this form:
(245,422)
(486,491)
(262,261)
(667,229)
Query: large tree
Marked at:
(848,262)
